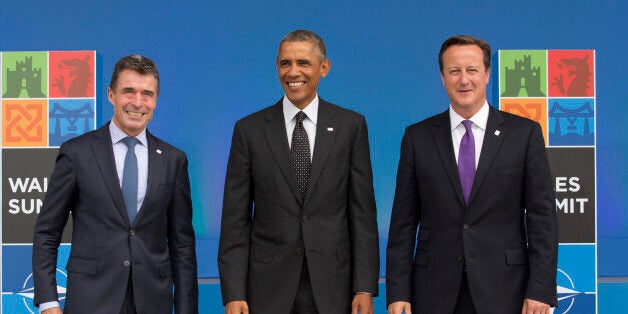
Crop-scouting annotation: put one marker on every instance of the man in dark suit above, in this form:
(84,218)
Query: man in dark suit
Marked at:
(299,230)
(131,210)
(476,183)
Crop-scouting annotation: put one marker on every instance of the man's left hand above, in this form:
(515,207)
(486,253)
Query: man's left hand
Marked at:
(534,307)
(362,302)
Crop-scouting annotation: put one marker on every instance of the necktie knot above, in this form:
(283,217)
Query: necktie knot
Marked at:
(467,125)
(130,142)
(301,116)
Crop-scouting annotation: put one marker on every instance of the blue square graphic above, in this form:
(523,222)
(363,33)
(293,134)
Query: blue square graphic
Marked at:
(17,284)
(69,118)
(571,122)
(576,279)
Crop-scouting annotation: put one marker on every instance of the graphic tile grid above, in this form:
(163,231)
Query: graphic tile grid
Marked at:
(46,98)
(557,88)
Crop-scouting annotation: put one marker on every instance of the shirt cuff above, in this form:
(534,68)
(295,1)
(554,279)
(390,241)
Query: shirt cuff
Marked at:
(48,305)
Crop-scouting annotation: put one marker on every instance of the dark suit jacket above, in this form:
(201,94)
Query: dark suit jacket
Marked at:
(489,234)
(267,230)
(157,251)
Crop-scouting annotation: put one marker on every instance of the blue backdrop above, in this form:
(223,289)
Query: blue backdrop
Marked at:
(216,60)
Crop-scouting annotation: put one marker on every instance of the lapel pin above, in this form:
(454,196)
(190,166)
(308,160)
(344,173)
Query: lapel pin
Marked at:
(330,129)
(158,151)
(497,133)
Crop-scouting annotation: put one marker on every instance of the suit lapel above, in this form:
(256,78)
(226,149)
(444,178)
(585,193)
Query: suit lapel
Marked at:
(490,146)
(275,131)
(445,146)
(323,143)
(156,159)
(102,149)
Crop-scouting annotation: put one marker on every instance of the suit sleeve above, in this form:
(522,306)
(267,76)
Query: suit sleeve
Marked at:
(235,232)
(363,215)
(53,217)
(404,221)
(182,243)
(541,222)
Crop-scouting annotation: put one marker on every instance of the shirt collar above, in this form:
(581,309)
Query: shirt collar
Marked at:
(290,110)
(480,118)
(117,135)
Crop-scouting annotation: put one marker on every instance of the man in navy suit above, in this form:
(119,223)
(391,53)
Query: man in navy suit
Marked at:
(476,183)
(128,252)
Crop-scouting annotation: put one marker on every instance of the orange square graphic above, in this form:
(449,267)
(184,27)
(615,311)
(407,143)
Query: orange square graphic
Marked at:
(71,74)
(571,73)
(532,108)
(24,123)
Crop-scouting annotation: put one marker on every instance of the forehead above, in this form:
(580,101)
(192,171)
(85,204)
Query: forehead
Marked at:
(296,49)
(130,78)
(463,54)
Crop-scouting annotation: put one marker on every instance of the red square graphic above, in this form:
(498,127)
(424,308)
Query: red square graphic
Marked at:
(571,73)
(71,74)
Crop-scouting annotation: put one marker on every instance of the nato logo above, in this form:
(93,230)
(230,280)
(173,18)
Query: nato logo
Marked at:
(17,285)
(576,279)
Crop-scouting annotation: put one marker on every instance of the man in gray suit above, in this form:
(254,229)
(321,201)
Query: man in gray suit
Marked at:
(299,230)
(129,195)
(476,183)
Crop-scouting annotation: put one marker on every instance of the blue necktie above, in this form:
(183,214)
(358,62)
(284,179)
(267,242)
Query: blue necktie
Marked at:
(466,160)
(129,178)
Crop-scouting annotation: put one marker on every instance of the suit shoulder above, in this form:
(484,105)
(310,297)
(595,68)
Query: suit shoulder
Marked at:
(438,119)
(167,147)
(341,110)
(257,116)
(84,139)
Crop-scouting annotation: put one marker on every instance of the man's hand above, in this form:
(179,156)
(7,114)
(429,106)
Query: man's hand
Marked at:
(534,307)
(362,302)
(52,310)
(399,307)
(237,307)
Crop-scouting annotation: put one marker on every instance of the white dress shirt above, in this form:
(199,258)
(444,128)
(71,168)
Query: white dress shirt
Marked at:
(309,124)
(478,126)
(141,151)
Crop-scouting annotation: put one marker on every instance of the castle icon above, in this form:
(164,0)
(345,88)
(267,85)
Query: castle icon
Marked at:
(523,80)
(24,82)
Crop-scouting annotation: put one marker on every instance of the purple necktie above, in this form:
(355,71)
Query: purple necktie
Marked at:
(466,160)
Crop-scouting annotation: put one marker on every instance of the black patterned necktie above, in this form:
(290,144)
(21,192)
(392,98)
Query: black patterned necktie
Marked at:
(300,154)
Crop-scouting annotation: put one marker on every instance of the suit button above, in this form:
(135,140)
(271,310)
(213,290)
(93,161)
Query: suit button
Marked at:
(305,218)
(298,251)
(465,227)
(459,258)
(132,232)
(126,263)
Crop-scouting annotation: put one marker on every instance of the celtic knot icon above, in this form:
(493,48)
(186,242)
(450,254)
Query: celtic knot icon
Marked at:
(23,123)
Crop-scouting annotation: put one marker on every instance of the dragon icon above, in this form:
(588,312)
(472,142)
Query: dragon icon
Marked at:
(578,70)
(82,73)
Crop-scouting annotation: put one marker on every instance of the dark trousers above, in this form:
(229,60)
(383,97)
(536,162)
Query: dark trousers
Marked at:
(464,304)
(304,302)
(128,306)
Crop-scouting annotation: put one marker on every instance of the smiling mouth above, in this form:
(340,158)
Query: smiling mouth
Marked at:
(135,113)
(295,84)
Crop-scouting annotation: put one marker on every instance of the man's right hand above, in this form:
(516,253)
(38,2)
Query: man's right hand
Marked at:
(52,310)
(399,307)
(237,307)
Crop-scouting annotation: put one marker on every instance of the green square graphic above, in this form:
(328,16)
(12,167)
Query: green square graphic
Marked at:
(24,74)
(523,73)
